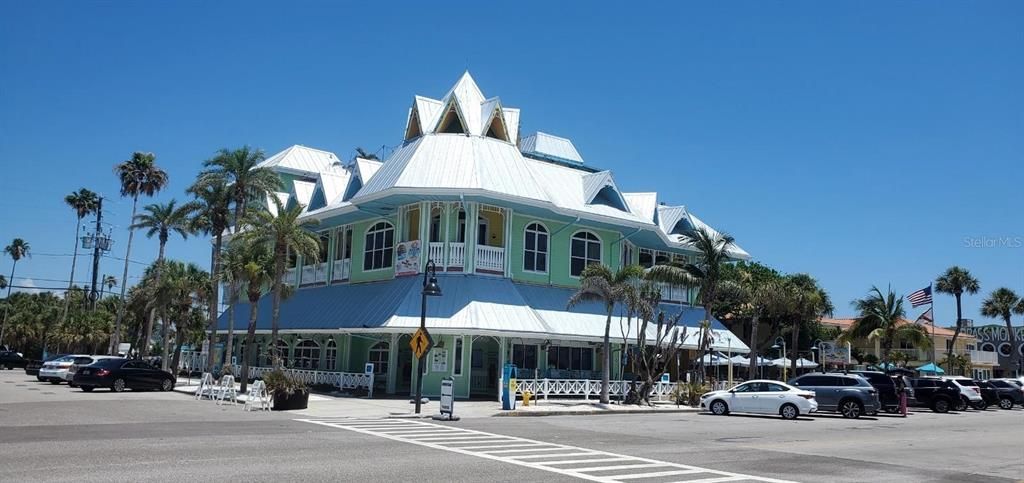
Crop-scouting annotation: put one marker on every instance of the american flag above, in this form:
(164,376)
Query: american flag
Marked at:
(921,297)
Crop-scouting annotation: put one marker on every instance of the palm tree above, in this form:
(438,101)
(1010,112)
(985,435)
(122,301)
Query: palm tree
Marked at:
(257,271)
(17,250)
(161,219)
(211,215)
(958,364)
(240,170)
(599,284)
(808,303)
(233,261)
(83,202)
(3,282)
(881,316)
(109,282)
(956,281)
(713,252)
(1000,304)
(286,232)
(139,176)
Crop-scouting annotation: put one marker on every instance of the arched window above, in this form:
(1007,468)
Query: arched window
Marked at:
(307,355)
(331,355)
(585,249)
(282,352)
(379,357)
(380,245)
(535,248)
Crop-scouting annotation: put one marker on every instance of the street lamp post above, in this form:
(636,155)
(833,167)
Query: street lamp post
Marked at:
(818,355)
(780,343)
(430,289)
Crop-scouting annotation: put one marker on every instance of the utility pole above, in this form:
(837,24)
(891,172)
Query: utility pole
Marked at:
(96,255)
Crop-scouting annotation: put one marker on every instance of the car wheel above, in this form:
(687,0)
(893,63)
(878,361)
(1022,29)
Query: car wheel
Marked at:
(851,409)
(980,406)
(87,388)
(1005,403)
(789,411)
(719,408)
(118,386)
(961,404)
(940,406)
(166,385)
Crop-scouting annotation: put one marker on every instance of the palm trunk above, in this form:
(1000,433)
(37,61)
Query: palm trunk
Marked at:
(280,254)
(702,346)
(218,239)
(152,312)
(179,340)
(116,339)
(1014,354)
(796,346)
(752,368)
(956,333)
(7,303)
(232,300)
(606,367)
(165,326)
(71,280)
(250,336)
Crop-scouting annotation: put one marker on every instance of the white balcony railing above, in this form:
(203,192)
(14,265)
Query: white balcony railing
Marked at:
(490,258)
(342,269)
(313,274)
(673,293)
(983,357)
(435,252)
(456,254)
(289,276)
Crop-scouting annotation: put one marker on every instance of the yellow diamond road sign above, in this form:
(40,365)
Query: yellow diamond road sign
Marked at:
(421,342)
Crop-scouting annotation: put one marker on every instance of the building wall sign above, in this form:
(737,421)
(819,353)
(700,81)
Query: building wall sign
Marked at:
(997,338)
(439,360)
(407,259)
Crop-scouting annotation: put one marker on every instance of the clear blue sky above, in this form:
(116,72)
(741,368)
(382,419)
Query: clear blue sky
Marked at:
(861,142)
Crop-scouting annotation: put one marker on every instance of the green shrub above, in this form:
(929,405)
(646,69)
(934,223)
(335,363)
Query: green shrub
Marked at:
(280,381)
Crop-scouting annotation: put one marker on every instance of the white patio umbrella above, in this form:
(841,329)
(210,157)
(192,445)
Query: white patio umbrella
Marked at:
(802,363)
(715,360)
(782,362)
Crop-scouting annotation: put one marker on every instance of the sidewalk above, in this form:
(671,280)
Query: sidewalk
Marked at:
(339,405)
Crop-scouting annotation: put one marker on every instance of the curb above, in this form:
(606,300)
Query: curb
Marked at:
(516,414)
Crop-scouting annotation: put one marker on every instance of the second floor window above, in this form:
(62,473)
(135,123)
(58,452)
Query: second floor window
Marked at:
(380,245)
(585,249)
(535,249)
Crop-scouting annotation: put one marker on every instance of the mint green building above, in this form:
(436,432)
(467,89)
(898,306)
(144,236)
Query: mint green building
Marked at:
(510,222)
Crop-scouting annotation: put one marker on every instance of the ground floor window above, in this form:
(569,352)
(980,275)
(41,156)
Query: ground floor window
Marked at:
(331,355)
(282,351)
(379,357)
(524,356)
(457,370)
(571,358)
(307,355)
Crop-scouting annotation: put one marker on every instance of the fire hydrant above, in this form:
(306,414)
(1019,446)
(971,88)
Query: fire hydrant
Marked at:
(527,395)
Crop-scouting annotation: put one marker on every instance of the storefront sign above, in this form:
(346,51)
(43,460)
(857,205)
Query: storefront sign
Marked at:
(407,259)
(439,360)
(833,352)
(447,396)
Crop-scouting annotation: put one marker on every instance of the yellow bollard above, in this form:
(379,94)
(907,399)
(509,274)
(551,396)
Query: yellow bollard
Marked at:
(527,395)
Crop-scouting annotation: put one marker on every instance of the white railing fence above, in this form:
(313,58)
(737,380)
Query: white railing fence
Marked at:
(342,269)
(456,254)
(192,361)
(289,276)
(587,388)
(343,380)
(673,293)
(983,357)
(313,274)
(435,252)
(490,258)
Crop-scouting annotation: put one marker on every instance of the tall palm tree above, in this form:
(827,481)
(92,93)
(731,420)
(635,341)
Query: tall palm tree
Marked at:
(599,283)
(161,219)
(83,202)
(881,316)
(712,253)
(808,303)
(257,271)
(211,215)
(109,282)
(233,261)
(286,232)
(3,282)
(956,281)
(240,170)
(1000,304)
(17,250)
(139,176)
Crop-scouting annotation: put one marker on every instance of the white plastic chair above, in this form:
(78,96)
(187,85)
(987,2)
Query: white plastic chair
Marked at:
(258,398)
(206,387)
(227,390)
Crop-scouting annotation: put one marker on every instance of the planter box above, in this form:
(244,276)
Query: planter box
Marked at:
(286,402)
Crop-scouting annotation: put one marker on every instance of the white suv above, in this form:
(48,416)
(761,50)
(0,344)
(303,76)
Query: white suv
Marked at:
(970,393)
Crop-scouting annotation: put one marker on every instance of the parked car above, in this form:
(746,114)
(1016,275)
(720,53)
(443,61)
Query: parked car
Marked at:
(886,387)
(80,362)
(761,397)
(970,393)
(119,374)
(934,393)
(847,394)
(989,393)
(1016,382)
(33,366)
(54,371)
(1008,393)
(12,360)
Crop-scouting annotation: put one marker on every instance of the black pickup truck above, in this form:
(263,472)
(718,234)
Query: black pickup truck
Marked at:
(934,393)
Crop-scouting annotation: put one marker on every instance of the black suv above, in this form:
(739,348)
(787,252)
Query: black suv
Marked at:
(939,395)
(12,360)
(1008,394)
(886,386)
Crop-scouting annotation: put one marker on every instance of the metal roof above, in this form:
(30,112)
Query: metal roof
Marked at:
(300,160)
(550,146)
(303,191)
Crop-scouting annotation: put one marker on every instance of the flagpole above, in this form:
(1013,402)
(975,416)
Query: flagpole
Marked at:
(934,318)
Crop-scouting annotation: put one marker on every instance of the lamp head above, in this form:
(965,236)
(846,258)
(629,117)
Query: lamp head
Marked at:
(432,289)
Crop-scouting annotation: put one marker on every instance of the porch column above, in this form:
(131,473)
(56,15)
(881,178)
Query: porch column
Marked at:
(332,243)
(424,235)
(392,363)
(347,346)
(446,215)
(472,225)
(501,364)
(507,242)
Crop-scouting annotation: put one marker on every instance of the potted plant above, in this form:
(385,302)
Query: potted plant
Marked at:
(288,392)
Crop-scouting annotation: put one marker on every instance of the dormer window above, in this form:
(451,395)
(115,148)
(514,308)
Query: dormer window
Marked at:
(452,122)
(413,129)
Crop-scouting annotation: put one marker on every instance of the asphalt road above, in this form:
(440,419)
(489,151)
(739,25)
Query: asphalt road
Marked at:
(51,433)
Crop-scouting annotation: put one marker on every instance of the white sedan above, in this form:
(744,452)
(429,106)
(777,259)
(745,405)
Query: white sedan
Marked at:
(761,397)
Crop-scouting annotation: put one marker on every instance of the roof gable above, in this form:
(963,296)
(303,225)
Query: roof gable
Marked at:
(547,146)
(300,160)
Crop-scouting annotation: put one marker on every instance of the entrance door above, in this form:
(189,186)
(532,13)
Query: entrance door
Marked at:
(484,370)
(405,358)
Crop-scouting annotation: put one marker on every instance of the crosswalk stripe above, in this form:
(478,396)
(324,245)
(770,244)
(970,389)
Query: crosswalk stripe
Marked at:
(482,445)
